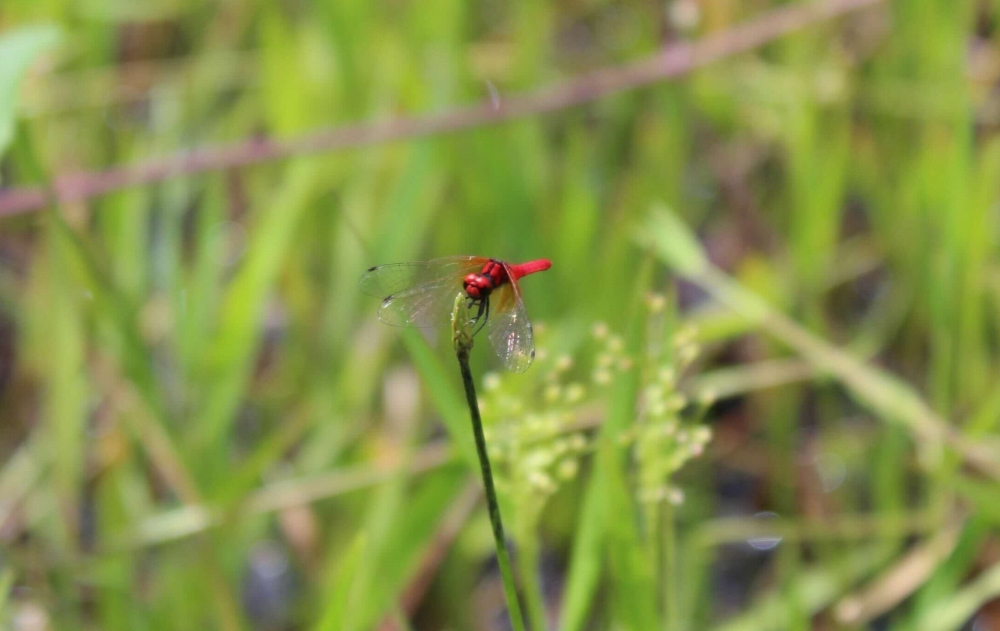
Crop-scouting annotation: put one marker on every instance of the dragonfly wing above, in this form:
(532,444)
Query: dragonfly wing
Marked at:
(419,294)
(423,306)
(509,329)
(382,281)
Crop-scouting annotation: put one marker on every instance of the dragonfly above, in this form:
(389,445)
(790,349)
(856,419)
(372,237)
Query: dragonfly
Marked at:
(423,295)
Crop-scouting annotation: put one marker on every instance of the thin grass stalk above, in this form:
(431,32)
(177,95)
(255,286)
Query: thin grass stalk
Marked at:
(534,599)
(670,575)
(462,337)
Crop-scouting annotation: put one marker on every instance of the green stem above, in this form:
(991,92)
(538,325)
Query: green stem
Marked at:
(503,558)
(531,581)
(670,573)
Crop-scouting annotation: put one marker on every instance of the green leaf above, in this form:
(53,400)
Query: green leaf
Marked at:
(17,51)
(951,612)
(398,532)
(228,360)
(669,237)
(983,495)
(348,566)
(607,532)
(408,538)
(586,560)
(6,584)
(441,384)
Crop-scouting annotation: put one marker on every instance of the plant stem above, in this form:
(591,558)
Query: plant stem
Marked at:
(670,573)
(503,558)
(534,600)
(673,61)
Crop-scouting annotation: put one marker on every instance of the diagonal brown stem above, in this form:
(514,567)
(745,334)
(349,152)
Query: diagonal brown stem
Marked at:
(672,61)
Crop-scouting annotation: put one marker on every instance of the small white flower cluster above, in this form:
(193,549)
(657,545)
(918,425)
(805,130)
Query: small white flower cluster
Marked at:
(550,462)
(662,441)
(686,347)
(538,453)
(532,433)
(662,449)
(610,358)
(536,433)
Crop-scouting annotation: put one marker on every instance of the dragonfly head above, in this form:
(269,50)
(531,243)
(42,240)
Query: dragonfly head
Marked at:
(478,286)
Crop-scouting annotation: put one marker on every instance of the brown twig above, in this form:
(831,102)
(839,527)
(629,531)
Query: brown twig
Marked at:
(672,61)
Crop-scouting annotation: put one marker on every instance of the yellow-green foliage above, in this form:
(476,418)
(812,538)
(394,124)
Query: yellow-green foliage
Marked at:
(793,252)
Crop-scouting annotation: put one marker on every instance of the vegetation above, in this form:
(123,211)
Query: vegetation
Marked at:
(765,395)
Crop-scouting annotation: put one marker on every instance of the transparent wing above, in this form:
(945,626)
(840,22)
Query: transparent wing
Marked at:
(418,294)
(509,329)
(382,280)
(424,306)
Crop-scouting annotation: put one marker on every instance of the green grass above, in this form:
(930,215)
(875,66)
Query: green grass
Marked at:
(796,247)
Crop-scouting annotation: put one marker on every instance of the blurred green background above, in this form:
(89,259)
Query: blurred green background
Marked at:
(766,393)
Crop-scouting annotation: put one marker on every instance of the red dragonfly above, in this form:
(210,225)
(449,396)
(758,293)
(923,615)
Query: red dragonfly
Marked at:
(423,295)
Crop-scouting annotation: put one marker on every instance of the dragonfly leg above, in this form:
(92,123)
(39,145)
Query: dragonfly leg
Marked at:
(475,302)
(483,315)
